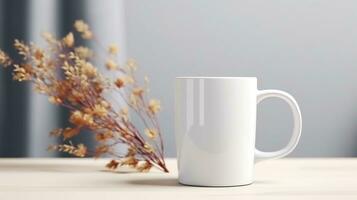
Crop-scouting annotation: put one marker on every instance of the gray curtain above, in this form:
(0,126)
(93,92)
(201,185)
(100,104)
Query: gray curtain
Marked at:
(14,124)
(27,117)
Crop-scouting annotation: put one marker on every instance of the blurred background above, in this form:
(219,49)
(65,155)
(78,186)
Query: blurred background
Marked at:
(307,48)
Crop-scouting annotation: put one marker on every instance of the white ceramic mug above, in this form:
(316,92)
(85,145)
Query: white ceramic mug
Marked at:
(215,123)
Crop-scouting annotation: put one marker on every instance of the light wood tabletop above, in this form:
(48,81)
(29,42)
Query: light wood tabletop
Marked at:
(331,178)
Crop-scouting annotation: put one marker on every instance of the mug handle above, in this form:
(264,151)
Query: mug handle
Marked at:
(264,94)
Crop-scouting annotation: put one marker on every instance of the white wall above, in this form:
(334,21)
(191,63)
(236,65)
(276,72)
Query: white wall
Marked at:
(306,47)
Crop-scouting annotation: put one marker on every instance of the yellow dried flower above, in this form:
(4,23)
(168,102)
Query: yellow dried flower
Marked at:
(148,148)
(55,100)
(83,52)
(21,74)
(80,119)
(83,28)
(104,136)
(112,165)
(4,59)
(119,82)
(131,152)
(39,55)
(144,167)
(113,49)
(102,149)
(22,48)
(127,136)
(87,35)
(99,110)
(151,133)
(76,117)
(68,70)
(138,91)
(76,96)
(89,70)
(88,119)
(66,148)
(70,132)
(111,65)
(81,150)
(129,161)
(105,104)
(69,40)
(131,64)
(154,106)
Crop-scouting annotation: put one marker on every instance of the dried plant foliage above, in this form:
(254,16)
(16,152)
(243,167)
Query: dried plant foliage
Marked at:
(66,73)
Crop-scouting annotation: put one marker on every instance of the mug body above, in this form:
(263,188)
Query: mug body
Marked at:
(215,122)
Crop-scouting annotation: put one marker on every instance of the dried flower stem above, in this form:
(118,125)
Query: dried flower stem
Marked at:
(65,73)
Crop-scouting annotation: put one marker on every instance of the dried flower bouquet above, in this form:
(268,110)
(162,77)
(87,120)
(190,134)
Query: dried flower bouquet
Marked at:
(66,73)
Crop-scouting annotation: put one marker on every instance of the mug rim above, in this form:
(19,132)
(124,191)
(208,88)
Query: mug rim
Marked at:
(215,77)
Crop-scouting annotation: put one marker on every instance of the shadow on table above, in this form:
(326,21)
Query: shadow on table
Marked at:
(167,182)
(174,182)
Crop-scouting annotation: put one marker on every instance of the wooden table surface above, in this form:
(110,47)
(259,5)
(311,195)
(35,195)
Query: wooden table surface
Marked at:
(30,179)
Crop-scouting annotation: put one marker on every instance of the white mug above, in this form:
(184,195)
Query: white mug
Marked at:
(215,123)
